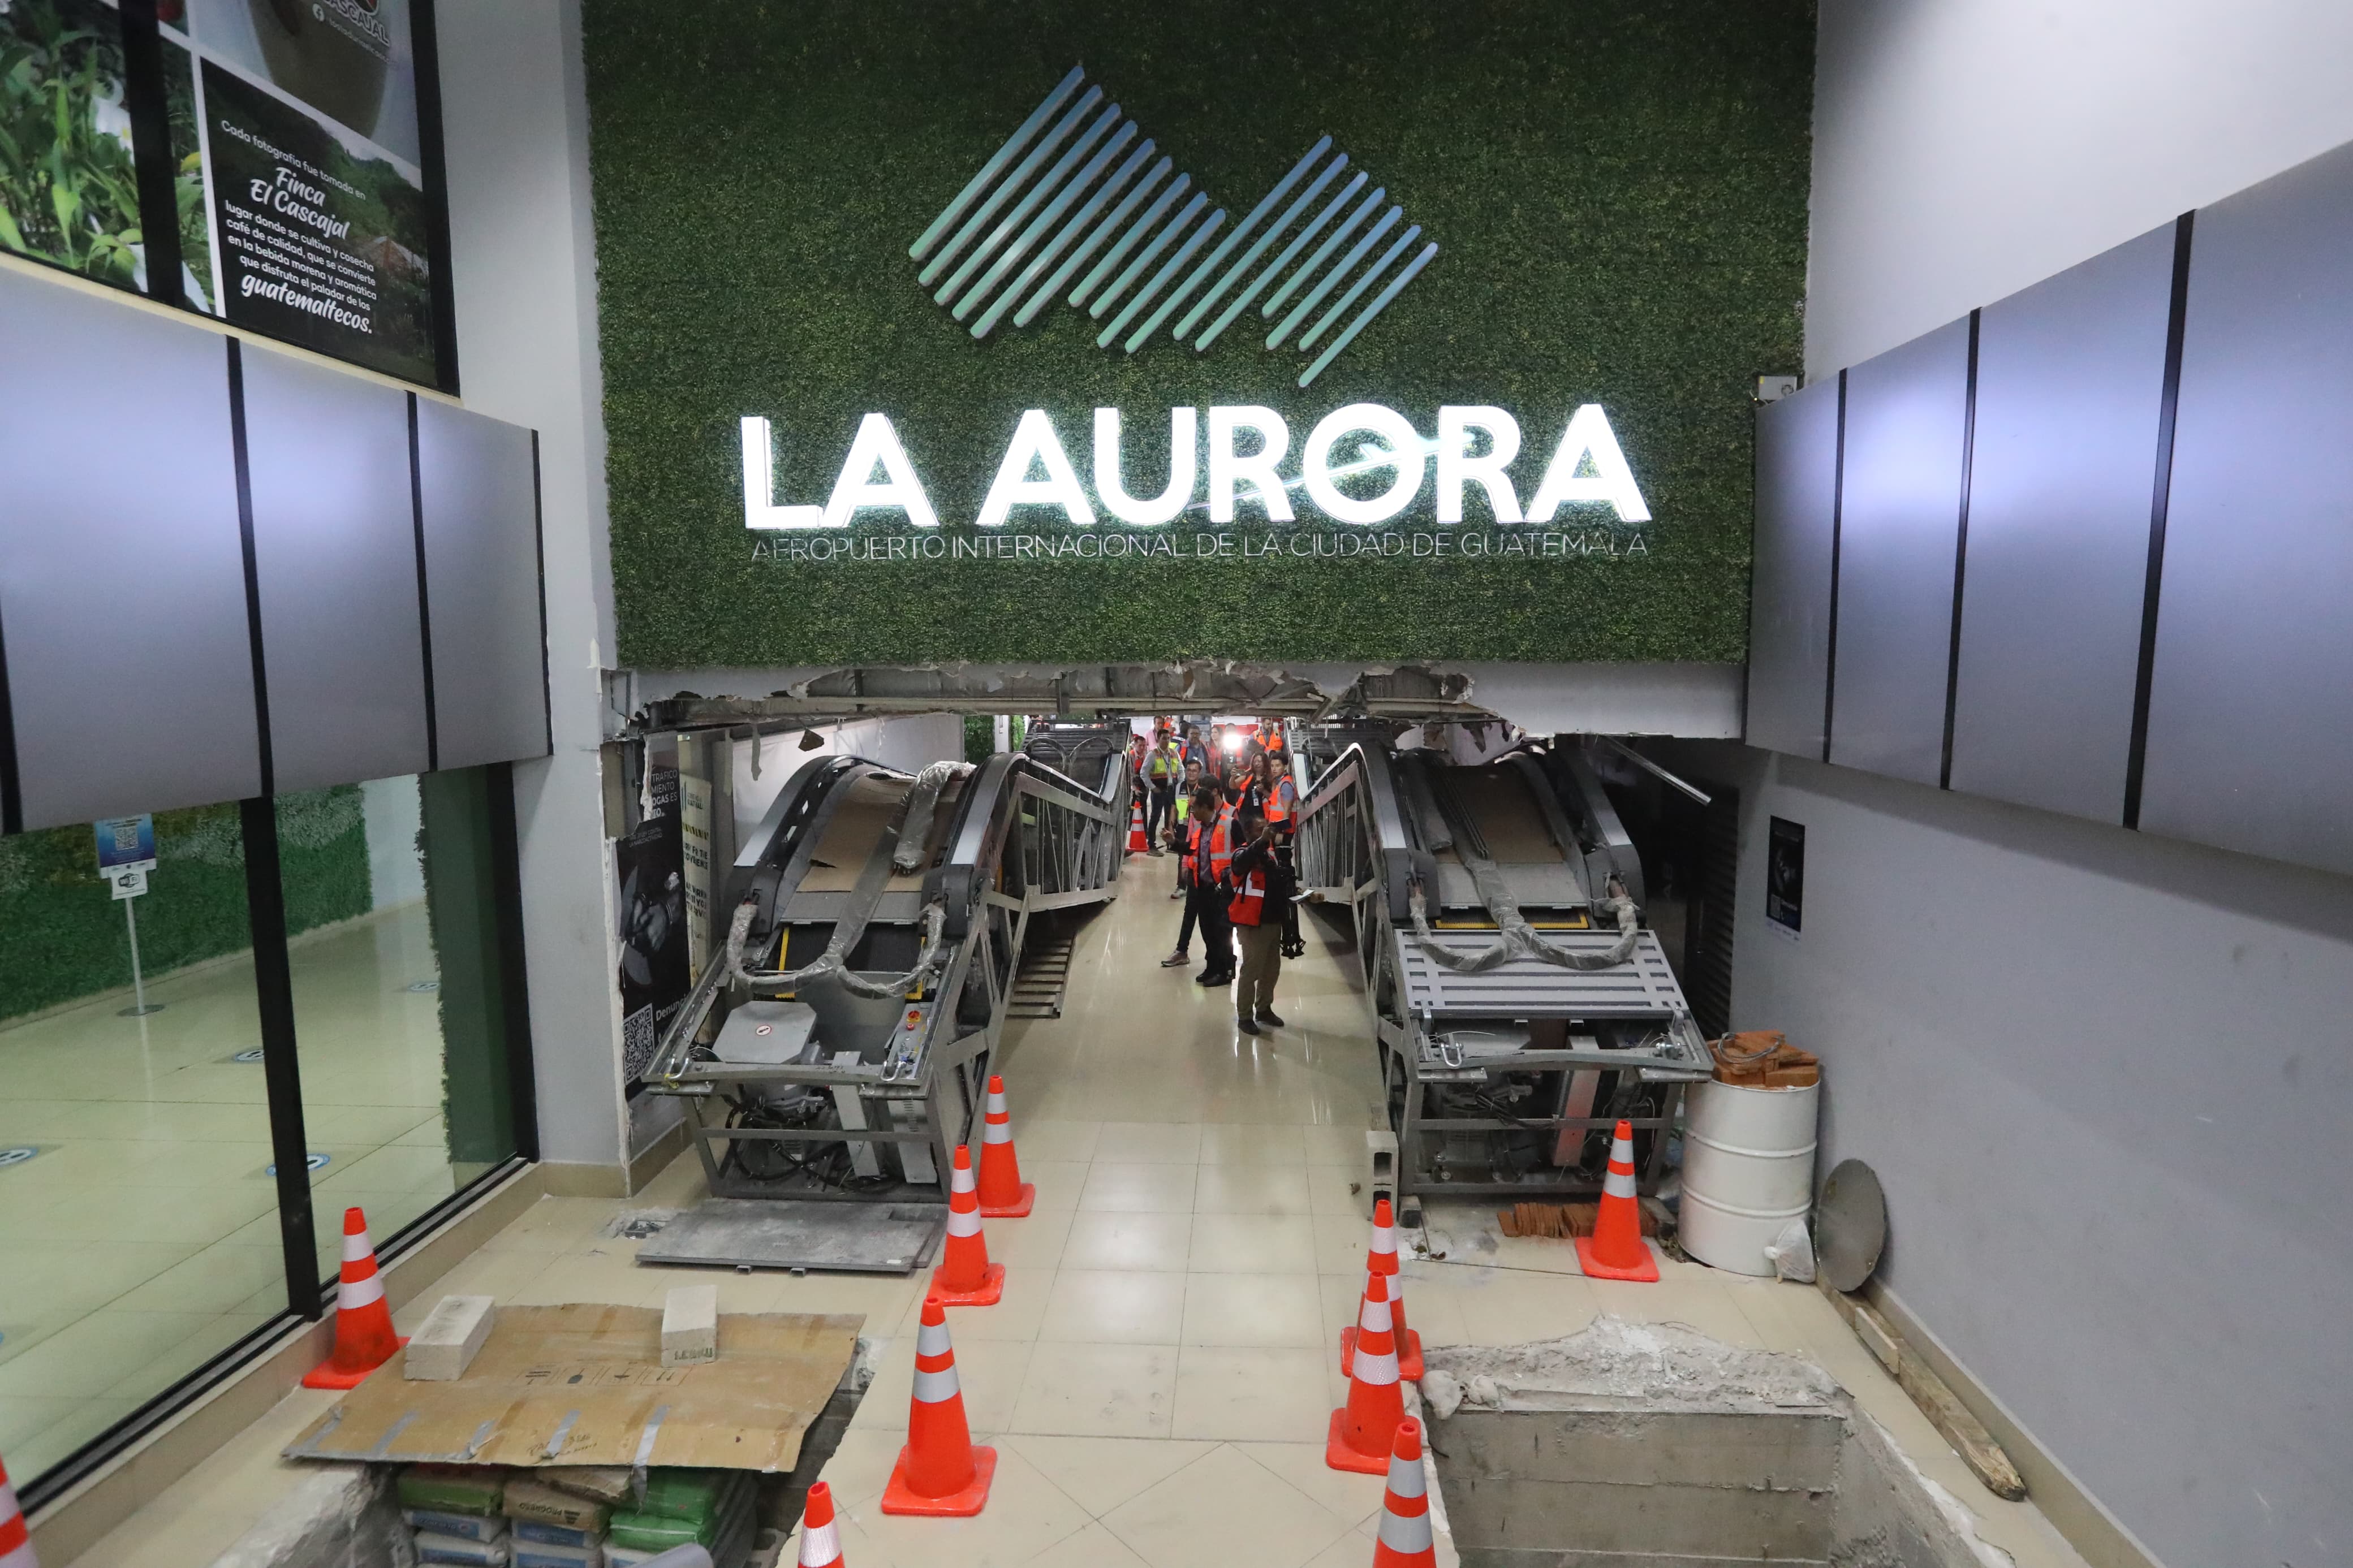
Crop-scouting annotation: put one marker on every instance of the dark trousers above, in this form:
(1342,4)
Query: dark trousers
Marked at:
(1158,807)
(1207,906)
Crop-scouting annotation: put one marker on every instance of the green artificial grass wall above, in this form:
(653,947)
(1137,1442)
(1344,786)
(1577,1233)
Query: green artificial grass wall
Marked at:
(66,936)
(1619,192)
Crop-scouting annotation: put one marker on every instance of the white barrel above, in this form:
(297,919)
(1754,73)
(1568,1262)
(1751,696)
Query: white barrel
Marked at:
(1748,1171)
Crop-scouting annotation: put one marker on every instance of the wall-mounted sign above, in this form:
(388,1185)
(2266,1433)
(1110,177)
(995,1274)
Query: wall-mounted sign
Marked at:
(1785,877)
(1472,450)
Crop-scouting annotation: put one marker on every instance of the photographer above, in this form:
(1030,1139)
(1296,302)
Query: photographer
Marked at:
(1263,886)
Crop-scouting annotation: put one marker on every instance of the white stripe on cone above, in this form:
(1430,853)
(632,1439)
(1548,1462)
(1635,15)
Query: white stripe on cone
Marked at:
(821,1546)
(1408,1533)
(932,1338)
(1385,1239)
(993,1130)
(1619,1184)
(960,1180)
(1405,1477)
(351,1293)
(356,1247)
(964,1222)
(932,1387)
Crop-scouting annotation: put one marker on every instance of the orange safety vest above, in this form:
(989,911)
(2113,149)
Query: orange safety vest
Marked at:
(1222,844)
(1278,802)
(1249,903)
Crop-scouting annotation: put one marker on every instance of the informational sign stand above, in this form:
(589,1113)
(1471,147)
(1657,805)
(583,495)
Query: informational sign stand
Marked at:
(126,853)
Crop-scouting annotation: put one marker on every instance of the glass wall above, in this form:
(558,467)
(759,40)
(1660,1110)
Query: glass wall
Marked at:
(140,1223)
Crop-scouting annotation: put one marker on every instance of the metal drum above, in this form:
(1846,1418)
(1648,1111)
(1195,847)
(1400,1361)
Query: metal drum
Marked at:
(1748,1171)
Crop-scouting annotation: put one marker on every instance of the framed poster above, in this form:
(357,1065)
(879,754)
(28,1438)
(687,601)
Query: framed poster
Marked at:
(1785,877)
(261,161)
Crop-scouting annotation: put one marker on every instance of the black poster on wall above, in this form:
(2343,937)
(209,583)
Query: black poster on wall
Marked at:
(262,161)
(650,864)
(323,241)
(1785,874)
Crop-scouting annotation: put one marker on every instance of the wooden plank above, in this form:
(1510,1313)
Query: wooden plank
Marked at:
(1985,1456)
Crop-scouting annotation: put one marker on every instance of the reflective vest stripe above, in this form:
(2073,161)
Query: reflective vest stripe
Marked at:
(1248,901)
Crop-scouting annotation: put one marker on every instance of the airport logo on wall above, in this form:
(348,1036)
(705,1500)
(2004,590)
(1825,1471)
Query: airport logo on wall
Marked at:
(1014,237)
(1074,204)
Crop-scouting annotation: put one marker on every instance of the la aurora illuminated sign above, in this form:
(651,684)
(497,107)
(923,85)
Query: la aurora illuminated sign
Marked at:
(1247,449)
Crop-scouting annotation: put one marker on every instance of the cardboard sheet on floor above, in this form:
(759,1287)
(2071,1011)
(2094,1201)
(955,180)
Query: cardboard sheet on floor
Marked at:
(583,1384)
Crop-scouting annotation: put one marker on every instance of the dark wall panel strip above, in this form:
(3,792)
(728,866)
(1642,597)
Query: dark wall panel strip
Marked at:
(2159,505)
(1900,488)
(144,98)
(1837,525)
(252,574)
(424,590)
(2250,710)
(273,984)
(1961,559)
(539,550)
(12,803)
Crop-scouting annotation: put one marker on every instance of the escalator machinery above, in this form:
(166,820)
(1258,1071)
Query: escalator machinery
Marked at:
(1519,1006)
(837,1041)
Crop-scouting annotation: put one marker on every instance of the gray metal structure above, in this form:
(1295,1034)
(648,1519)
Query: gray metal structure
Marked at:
(878,919)
(1519,1009)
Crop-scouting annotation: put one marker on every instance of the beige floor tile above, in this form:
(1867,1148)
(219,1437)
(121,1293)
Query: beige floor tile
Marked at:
(1251,1189)
(1071,1141)
(55,1280)
(1340,1143)
(1097,1390)
(1017,1314)
(988,1372)
(1058,1183)
(1139,1189)
(1100,1306)
(1252,1143)
(1337,1191)
(589,1277)
(1035,1242)
(1504,1307)
(1681,1296)
(1026,1514)
(1265,1309)
(1149,1142)
(1129,1241)
(555,1223)
(1245,1394)
(1341,1241)
(1101,1473)
(1252,1244)
(859,1466)
(1225,1508)
(1344,1493)
(1094,1547)
(1434,1314)
(92,1354)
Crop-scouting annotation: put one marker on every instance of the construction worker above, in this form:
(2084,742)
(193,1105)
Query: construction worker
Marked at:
(1178,816)
(1162,766)
(1262,892)
(1208,853)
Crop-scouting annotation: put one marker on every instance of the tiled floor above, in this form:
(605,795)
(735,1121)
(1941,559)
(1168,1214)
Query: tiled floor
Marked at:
(144,1237)
(1158,1376)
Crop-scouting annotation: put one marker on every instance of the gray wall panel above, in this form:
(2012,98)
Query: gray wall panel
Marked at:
(481,564)
(1790,611)
(336,549)
(1900,523)
(2071,380)
(122,565)
(2251,712)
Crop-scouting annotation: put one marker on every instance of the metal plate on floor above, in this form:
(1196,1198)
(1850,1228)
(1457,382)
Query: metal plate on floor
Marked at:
(767,1233)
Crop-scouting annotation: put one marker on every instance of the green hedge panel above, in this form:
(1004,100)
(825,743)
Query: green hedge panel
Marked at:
(1619,196)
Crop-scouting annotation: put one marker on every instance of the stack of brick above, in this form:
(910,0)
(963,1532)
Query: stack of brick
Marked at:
(1764,1059)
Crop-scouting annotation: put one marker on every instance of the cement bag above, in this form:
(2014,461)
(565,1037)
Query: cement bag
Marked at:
(1791,1253)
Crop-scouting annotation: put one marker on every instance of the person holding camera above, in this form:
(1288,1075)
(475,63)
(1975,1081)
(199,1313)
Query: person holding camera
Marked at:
(1262,887)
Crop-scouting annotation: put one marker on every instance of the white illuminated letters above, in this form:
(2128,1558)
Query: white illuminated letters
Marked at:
(1111,487)
(1406,454)
(857,489)
(1489,472)
(1034,441)
(1588,440)
(1229,467)
(760,508)
(1249,448)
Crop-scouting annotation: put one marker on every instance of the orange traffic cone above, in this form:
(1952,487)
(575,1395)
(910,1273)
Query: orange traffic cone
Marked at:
(1003,1193)
(966,1278)
(1137,842)
(1363,1429)
(820,1541)
(1405,1539)
(363,1336)
(940,1473)
(1615,1249)
(15,1539)
(1381,1258)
